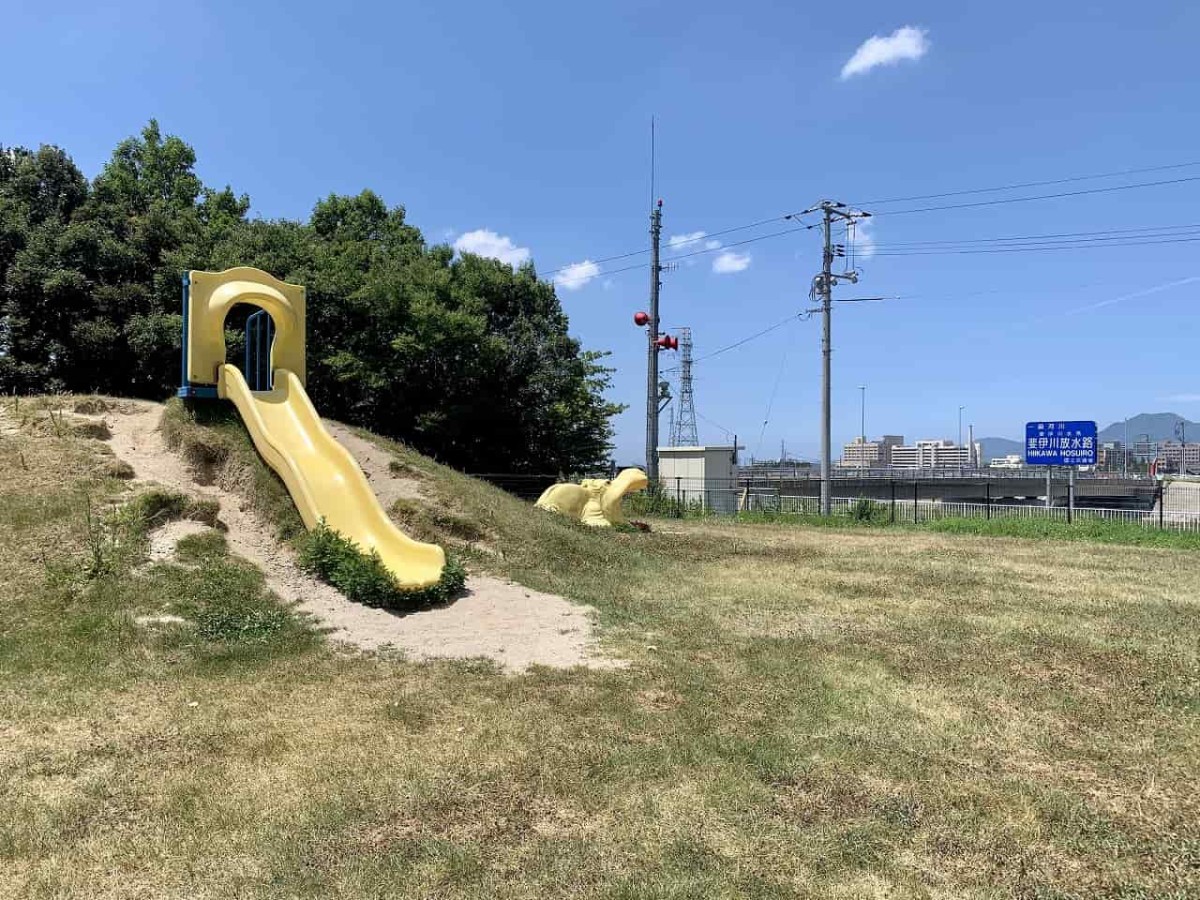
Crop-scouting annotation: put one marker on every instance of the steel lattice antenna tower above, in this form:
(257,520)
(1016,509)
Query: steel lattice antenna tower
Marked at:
(684,434)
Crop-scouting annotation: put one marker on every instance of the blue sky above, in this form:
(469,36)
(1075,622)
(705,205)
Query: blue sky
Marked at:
(530,121)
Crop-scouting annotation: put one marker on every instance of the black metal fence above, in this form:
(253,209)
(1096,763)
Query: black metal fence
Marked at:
(1166,503)
(908,498)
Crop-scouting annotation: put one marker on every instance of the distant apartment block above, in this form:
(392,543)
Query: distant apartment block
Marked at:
(877,454)
(1145,451)
(1176,457)
(935,455)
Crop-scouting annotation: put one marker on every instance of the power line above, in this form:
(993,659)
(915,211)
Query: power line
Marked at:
(1037,248)
(975,204)
(744,340)
(716,425)
(1167,229)
(771,402)
(708,235)
(1028,184)
(1081,193)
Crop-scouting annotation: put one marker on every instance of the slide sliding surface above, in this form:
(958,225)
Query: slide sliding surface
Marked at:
(323,478)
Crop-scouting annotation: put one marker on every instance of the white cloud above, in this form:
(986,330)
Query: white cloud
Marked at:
(864,239)
(729,261)
(684,241)
(576,275)
(690,244)
(903,43)
(483,242)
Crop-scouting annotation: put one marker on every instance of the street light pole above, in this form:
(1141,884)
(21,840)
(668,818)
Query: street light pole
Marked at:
(1125,455)
(862,433)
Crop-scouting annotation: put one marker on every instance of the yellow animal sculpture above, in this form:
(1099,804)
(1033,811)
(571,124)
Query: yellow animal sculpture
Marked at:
(594,501)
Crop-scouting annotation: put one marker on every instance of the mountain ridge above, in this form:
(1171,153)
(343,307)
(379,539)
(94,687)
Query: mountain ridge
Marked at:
(1158,427)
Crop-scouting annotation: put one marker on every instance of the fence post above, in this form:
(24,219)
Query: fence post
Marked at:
(988,499)
(916,518)
(893,482)
(1162,501)
(678,495)
(1049,488)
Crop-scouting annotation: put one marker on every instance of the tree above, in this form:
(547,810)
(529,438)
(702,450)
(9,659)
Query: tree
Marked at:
(466,359)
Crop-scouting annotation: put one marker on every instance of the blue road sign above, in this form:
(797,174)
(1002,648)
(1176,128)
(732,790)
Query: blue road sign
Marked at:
(1060,443)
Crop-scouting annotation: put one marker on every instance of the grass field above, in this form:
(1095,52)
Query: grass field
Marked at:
(807,712)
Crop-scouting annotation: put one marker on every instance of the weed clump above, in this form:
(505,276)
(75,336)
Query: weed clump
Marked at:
(201,548)
(119,469)
(157,506)
(92,406)
(230,606)
(363,577)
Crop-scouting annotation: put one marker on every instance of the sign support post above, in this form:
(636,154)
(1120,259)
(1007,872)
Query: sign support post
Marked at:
(1070,494)
(1069,444)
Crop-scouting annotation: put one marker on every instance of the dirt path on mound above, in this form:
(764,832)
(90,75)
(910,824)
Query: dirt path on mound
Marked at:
(511,624)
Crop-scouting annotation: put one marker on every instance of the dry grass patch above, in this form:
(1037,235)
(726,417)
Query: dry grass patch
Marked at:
(809,712)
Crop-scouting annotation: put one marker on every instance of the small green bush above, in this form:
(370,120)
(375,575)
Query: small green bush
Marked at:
(865,511)
(363,577)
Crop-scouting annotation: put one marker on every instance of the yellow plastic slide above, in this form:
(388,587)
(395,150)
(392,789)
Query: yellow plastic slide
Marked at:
(323,478)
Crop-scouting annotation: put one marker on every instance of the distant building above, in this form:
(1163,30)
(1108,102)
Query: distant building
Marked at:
(935,455)
(1178,458)
(1011,461)
(1110,456)
(860,454)
(1145,451)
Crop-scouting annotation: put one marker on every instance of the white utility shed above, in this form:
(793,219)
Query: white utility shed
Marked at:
(706,476)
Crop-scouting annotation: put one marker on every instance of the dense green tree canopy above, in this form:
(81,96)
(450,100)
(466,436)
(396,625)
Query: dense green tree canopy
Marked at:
(462,357)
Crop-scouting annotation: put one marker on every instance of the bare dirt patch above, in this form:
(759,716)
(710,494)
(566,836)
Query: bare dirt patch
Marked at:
(510,624)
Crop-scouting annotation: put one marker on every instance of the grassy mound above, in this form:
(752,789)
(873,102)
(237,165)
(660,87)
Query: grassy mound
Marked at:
(824,712)
(215,443)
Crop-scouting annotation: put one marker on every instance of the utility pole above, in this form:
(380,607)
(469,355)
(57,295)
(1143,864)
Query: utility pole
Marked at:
(823,285)
(652,390)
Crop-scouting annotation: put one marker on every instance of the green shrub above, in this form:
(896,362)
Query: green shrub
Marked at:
(363,577)
(866,511)
(200,548)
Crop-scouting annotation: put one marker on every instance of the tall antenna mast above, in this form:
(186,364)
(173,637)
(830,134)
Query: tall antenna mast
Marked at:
(652,162)
(653,390)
